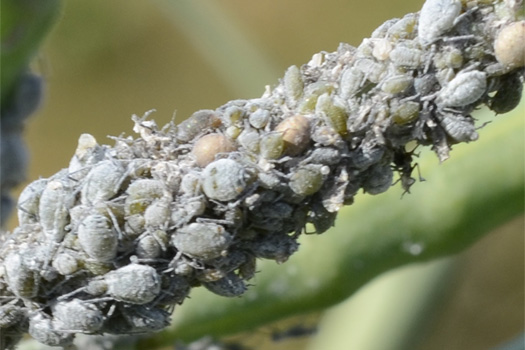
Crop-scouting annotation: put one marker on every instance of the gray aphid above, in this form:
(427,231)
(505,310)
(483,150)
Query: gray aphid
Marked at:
(460,128)
(223,180)
(98,238)
(436,18)
(77,316)
(464,89)
(201,240)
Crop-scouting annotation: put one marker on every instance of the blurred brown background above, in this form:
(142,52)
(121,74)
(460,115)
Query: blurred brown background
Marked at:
(107,60)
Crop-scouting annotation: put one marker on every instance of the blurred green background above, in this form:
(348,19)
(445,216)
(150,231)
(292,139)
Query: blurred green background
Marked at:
(107,60)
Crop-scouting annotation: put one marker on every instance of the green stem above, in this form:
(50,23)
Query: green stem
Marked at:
(24,24)
(479,188)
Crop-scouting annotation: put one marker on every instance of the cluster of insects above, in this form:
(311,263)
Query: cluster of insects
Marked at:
(111,243)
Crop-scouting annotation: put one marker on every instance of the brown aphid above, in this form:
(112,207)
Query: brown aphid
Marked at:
(296,134)
(208,146)
(508,46)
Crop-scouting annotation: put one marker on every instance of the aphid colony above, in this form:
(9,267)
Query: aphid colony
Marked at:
(111,243)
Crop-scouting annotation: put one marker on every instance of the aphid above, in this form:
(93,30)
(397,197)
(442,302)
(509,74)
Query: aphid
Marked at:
(378,179)
(293,83)
(425,84)
(158,213)
(103,182)
(436,18)
(306,180)
(403,28)
(77,316)
(229,286)
(183,214)
(133,283)
(143,319)
(88,153)
(55,201)
(21,274)
(327,136)
(41,329)
(174,289)
(382,48)
(223,180)
(381,31)
(366,155)
(295,134)
(397,84)
(372,70)
(460,128)
(449,56)
(249,140)
(65,263)
(321,218)
(324,155)
(334,196)
(208,146)
(10,314)
(464,89)
(312,93)
(403,56)
(233,115)
(334,113)
(271,145)
(141,193)
(404,112)
(278,247)
(98,238)
(196,124)
(351,82)
(190,184)
(508,46)
(28,201)
(151,245)
(201,240)
(508,95)
(259,118)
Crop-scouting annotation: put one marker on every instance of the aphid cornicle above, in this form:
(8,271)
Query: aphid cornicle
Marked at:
(436,18)
(223,180)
